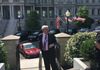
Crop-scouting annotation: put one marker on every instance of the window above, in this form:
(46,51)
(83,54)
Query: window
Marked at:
(93,11)
(44,13)
(99,1)
(87,1)
(37,1)
(79,1)
(29,1)
(16,9)
(37,10)
(99,11)
(93,1)
(60,12)
(16,0)
(51,1)
(75,10)
(44,1)
(27,9)
(51,12)
(5,0)
(6,12)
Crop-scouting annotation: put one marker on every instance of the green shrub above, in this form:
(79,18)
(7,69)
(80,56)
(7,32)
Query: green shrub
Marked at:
(3,55)
(79,45)
(87,49)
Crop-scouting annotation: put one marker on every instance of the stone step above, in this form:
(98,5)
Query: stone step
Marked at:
(73,69)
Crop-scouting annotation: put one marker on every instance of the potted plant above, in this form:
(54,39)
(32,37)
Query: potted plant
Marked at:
(80,45)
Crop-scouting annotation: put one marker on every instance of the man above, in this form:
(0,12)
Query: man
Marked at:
(47,45)
(97,54)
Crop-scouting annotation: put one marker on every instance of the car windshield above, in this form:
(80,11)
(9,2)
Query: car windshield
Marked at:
(29,46)
(35,32)
(18,34)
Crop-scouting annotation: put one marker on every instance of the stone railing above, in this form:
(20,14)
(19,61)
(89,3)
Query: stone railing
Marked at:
(2,66)
(79,64)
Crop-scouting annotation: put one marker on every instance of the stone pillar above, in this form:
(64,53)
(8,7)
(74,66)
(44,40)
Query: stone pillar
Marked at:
(47,12)
(33,8)
(11,43)
(23,15)
(41,15)
(62,41)
(11,12)
(1,12)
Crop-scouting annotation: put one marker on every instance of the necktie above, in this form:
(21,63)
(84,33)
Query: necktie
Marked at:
(45,43)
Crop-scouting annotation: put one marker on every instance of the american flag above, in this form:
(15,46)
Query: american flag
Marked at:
(57,22)
(70,20)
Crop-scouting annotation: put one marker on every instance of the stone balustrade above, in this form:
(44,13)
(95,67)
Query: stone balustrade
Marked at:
(79,64)
(2,66)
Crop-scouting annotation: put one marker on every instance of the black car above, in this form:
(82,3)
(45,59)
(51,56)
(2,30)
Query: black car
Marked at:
(33,36)
(23,35)
(54,31)
(97,29)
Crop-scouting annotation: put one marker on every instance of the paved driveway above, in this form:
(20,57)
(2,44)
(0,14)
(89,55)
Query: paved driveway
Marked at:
(30,64)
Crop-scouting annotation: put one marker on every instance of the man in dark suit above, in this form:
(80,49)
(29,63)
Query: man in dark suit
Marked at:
(47,45)
(97,53)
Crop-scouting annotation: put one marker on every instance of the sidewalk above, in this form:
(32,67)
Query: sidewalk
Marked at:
(30,64)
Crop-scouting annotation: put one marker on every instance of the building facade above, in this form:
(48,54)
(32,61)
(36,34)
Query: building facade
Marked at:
(48,9)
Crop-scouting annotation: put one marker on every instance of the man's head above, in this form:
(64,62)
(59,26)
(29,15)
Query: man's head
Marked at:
(45,29)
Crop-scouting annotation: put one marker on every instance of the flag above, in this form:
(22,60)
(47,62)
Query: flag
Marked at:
(58,22)
(70,20)
(79,19)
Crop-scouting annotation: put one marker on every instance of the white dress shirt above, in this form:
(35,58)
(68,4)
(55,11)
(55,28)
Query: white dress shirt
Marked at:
(46,41)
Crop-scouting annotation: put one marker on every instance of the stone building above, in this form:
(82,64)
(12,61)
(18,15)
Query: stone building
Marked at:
(48,9)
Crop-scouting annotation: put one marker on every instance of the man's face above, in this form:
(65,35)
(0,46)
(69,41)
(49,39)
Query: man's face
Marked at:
(45,30)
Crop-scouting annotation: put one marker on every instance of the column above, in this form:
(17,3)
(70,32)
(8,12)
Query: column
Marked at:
(33,7)
(11,43)
(47,12)
(1,12)
(96,11)
(23,15)
(11,12)
(23,9)
(41,14)
(10,7)
(55,11)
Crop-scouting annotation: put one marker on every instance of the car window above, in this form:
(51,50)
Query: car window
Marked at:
(29,46)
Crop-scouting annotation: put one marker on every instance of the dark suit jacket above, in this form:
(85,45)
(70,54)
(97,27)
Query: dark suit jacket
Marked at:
(51,40)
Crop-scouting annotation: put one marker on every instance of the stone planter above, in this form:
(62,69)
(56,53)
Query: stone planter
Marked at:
(80,64)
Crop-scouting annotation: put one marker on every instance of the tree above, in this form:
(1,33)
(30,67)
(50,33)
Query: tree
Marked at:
(84,13)
(32,21)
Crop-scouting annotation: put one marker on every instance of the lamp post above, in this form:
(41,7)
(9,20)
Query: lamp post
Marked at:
(19,17)
(67,15)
